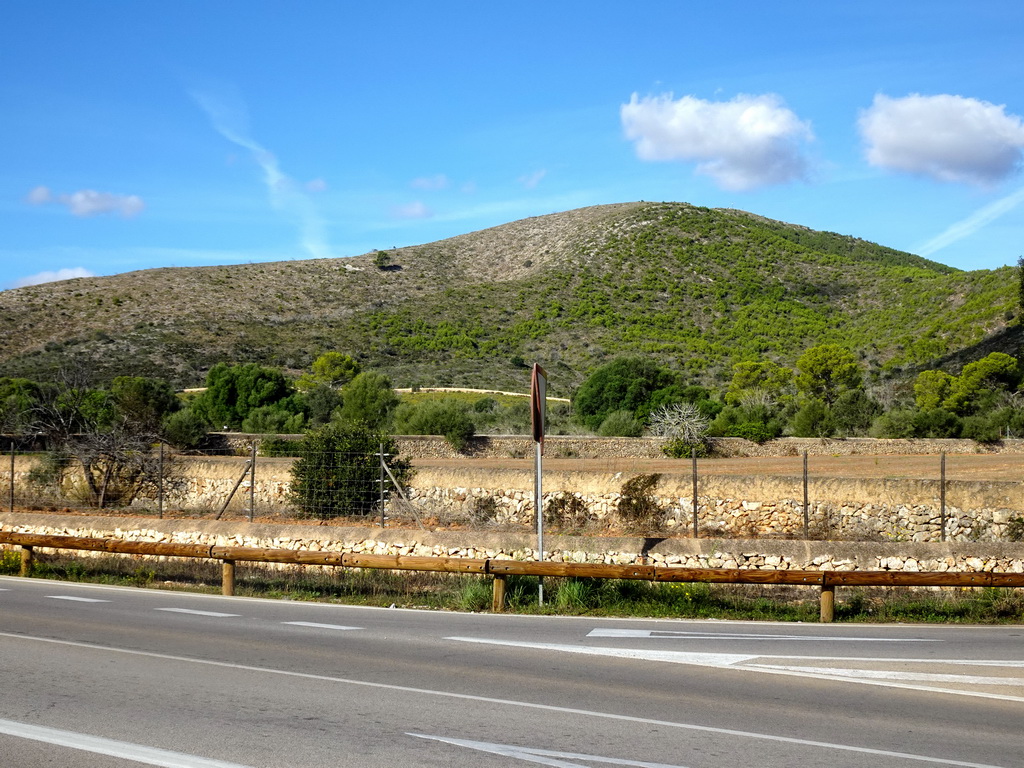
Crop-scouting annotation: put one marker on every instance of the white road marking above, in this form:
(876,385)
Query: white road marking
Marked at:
(191,612)
(77,599)
(680,635)
(541,756)
(316,625)
(100,746)
(513,703)
(882,674)
(742,662)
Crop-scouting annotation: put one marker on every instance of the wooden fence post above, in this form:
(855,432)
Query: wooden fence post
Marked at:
(828,603)
(228,577)
(26,561)
(498,603)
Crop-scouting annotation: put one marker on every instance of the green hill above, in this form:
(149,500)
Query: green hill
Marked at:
(698,289)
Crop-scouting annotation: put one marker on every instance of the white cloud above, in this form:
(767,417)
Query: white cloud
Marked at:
(39,196)
(316,185)
(228,114)
(744,143)
(947,138)
(531,180)
(413,210)
(39,278)
(89,202)
(431,183)
(967,227)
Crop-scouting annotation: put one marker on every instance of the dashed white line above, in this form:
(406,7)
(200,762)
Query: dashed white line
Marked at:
(100,746)
(77,599)
(537,707)
(316,625)
(213,614)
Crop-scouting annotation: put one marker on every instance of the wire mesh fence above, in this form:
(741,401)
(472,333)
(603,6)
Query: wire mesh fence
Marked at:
(795,497)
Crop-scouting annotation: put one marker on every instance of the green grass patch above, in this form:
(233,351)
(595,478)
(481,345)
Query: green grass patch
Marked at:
(563,596)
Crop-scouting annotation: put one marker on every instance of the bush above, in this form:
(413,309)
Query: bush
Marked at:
(435,417)
(567,512)
(1015,529)
(621,424)
(638,508)
(338,470)
(680,449)
(184,429)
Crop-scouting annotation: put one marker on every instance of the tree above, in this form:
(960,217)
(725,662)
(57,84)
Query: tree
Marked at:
(338,470)
(144,401)
(996,371)
(752,377)
(234,390)
(931,388)
(332,369)
(826,371)
(320,403)
(113,447)
(18,398)
(368,398)
(444,417)
(381,260)
(633,384)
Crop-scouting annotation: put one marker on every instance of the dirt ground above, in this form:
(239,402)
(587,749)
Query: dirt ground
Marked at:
(977,467)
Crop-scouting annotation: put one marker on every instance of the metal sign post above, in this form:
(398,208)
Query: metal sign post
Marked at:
(538,412)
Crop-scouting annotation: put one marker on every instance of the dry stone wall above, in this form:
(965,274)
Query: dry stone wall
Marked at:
(728,506)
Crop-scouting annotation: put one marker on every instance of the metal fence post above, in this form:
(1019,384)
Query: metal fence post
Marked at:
(252,483)
(696,523)
(807,516)
(12,475)
(381,481)
(942,498)
(160,486)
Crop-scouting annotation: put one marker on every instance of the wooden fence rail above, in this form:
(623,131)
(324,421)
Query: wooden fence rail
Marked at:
(827,581)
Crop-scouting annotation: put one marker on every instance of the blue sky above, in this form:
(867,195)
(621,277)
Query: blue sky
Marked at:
(153,134)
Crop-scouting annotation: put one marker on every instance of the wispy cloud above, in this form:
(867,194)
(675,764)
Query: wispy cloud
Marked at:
(413,210)
(88,202)
(228,115)
(944,137)
(39,278)
(531,180)
(967,227)
(744,143)
(431,183)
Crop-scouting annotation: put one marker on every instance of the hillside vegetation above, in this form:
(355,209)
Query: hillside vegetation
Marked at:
(693,288)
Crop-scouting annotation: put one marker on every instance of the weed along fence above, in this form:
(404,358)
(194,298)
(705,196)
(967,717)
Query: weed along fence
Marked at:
(825,580)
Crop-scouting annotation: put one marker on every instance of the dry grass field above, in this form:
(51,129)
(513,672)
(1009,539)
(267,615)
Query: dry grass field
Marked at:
(967,467)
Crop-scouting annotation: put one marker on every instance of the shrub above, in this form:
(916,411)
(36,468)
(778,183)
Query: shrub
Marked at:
(436,417)
(338,470)
(1015,529)
(621,424)
(567,512)
(638,508)
(184,429)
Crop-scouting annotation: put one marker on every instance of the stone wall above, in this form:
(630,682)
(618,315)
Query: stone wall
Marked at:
(516,446)
(728,506)
(690,553)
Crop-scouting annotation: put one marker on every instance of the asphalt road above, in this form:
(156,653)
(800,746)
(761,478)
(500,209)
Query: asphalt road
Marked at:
(103,676)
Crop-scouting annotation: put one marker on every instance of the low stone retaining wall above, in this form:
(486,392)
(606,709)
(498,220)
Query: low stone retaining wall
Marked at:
(583,447)
(728,506)
(690,553)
